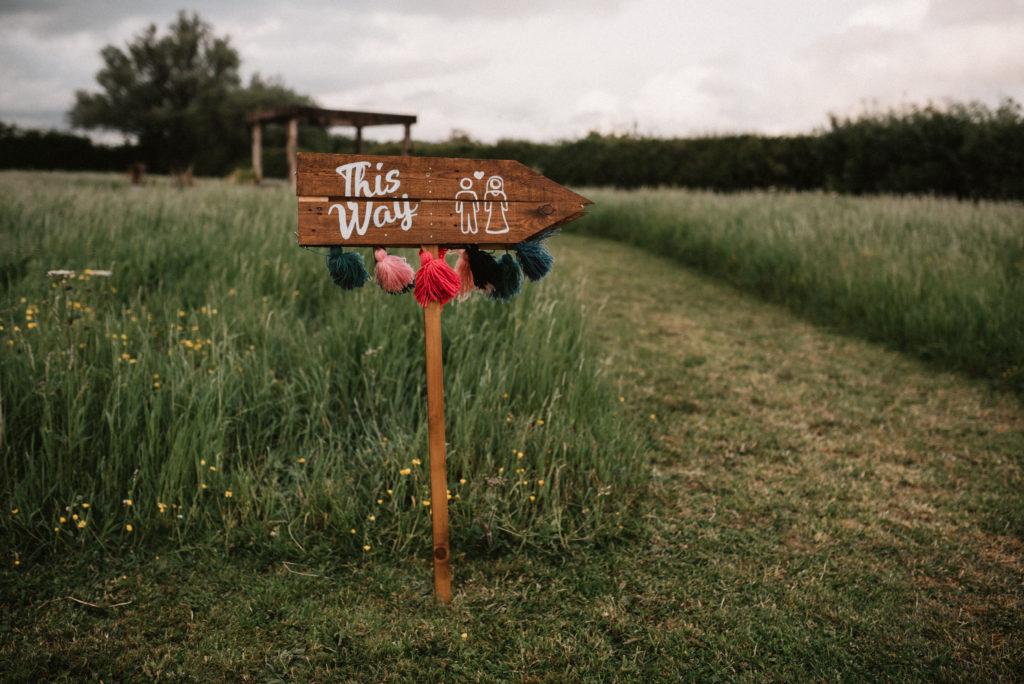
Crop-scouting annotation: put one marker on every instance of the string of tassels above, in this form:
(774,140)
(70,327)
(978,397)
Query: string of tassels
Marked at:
(435,281)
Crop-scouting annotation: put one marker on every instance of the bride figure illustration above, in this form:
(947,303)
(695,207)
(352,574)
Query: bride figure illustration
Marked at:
(495,194)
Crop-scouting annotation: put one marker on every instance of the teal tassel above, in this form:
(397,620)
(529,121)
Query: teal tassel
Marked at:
(499,280)
(346,269)
(508,279)
(534,258)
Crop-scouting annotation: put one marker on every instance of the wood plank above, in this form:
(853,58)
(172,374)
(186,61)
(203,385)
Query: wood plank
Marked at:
(408,223)
(420,178)
(327,117)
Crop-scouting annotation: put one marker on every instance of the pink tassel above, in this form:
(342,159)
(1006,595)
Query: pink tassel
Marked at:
(435,281)
(465,274)
(392,273)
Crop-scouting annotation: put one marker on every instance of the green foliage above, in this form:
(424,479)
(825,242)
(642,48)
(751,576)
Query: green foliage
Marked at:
(964,150)
(179,96)
(937,278)
(29,149)
(961,150)
(166,91)
(219,387)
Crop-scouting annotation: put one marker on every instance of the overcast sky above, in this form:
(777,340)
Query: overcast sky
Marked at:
(549,70)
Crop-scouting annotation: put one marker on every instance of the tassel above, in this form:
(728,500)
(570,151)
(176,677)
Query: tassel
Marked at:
(508,281)
(435,281)
(465,274)
(482,266)
(535,259)
(392,273)
(498,279)
(346,269)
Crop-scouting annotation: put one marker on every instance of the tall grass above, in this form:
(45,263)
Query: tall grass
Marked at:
(940,279)
(219,388)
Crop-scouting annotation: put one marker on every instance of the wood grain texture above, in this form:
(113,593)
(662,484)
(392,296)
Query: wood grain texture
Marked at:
(436,442)
(435,222)
(409,201)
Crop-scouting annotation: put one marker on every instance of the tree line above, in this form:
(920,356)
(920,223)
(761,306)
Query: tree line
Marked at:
(179,98)
(961,150)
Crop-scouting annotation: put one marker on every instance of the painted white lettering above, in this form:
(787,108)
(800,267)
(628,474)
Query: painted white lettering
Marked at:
(377,215)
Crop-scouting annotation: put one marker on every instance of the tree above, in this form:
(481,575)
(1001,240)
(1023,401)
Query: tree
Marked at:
(170,92)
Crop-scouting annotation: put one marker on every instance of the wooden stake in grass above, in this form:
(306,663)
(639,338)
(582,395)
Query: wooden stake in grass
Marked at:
(435,440)
(361,200)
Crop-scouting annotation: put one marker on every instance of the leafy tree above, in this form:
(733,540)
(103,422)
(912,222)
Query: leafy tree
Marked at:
(170,92)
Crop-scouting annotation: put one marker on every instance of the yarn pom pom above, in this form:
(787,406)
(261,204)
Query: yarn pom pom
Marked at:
(392,273)
(534,258)
(435,281)
(346,269)
(482,266)
(508,279)
(465,274)
(498,279)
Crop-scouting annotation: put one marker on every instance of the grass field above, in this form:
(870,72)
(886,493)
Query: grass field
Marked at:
(940,279)
(794,503)
(224,387)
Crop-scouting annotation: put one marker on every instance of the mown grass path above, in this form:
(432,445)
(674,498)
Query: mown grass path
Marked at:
(820,508)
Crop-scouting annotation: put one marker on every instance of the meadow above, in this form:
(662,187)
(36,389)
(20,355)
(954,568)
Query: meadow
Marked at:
(937,278)
(213,461)
(218,386)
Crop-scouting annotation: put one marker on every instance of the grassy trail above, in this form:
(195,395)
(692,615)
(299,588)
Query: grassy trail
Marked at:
(821,508)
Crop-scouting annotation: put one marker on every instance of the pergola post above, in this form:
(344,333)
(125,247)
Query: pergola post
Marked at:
(257,151)
(295,114)
(293,147)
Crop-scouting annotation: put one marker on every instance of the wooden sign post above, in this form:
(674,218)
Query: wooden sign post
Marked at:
(427,203)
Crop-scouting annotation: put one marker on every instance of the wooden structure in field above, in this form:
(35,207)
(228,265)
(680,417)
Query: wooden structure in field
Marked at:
(295,114)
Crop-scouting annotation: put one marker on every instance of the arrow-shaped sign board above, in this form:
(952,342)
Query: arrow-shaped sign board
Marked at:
(350,199)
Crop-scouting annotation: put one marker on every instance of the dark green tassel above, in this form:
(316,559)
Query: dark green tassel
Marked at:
(508,279)
(535,259)
(346,269)
(482,265)
(498,279)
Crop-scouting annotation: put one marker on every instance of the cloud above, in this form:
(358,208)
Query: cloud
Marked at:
(542,70)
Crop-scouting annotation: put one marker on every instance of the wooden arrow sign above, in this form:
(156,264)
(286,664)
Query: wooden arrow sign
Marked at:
(428,202)
(349,199)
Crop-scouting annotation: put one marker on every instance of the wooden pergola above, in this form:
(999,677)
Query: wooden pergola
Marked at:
(296,114)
